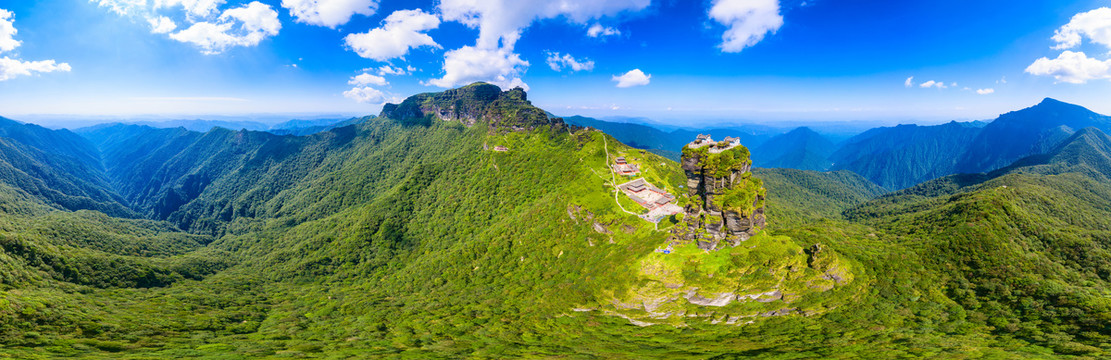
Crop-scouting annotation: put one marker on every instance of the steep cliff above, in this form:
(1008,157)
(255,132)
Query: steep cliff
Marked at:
(727,201)
(472,104)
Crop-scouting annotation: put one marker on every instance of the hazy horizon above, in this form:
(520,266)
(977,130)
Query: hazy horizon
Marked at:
(676,62)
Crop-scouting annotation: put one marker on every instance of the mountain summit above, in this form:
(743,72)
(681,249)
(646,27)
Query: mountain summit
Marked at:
(1034,130)
(472,104)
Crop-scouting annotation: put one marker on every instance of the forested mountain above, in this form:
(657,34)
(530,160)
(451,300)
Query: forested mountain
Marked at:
(801,148)
(58,168)
(471,224)
(904,155)
(1026,132)
(799,196)
(901,156)
(1027,244)
(667,144)
(201,181)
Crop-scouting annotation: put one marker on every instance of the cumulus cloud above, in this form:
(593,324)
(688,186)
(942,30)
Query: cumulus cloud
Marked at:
(499,24)
(1072,67)
(123,7)
(931,83)
(7,31)
(634,77)
(193,8)
(597,30)
(388,70)
(470,64)
(558,62)
(909,82)
(503,20)
(1095,25)
(329,13)
(11,68)
(201,8)
(403,30)
(161,25)
(367,79)
(748,21)
(366,94)
(202,23)
(985,91)
(242,26)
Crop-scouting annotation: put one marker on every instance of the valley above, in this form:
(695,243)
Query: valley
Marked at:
(404,236)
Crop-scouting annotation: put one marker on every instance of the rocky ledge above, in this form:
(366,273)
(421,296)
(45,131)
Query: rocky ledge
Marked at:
(471,105)
(727,202)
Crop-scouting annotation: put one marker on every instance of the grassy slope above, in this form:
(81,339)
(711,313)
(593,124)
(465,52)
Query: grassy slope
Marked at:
(440,240)
(413,242)
(57,168)
(799,196)
(1026,248)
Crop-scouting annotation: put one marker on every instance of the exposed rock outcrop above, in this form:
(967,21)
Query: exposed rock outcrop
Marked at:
(472,104)
(728,203)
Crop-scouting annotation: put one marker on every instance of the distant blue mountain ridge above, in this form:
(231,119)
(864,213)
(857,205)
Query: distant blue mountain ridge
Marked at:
(894,157)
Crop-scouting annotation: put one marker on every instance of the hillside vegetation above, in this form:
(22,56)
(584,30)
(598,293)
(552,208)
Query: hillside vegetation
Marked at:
(408,236)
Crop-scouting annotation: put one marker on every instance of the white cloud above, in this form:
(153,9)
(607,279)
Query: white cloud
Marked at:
(558,62)
(368,79)
(470,64)
(199,8)
(1095,25)
(7,31)
(1071,67)
(161,25)
(499,24)
(748,21)
(192,8)
(931,83)
(634,77)
(366,94)
(985,91)
(11,68)
(597,30)
(909,82)
(403,30)
(390,70)
(503,20)
(242,26)
(329,13)
(1002,80)
(123,7)
(246,25)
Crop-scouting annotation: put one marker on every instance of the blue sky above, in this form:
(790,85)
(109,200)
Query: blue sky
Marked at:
(683,62)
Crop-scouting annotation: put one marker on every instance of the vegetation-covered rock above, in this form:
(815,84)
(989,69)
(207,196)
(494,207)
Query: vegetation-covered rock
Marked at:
(387,239)
(471,104)
(727,202)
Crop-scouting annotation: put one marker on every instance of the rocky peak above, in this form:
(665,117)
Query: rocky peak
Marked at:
(727,201)
(470,105)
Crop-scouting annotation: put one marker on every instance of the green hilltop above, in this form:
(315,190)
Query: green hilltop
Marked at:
(471,224)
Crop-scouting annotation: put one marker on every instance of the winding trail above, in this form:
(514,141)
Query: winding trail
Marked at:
(613,176)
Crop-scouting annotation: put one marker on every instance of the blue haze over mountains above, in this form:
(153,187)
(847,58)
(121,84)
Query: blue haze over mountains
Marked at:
(894,157)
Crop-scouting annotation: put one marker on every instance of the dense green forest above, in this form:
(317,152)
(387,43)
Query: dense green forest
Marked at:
(407,236)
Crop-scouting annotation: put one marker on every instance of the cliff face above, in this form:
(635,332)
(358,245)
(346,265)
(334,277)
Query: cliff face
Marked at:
(728,202)
(471,104)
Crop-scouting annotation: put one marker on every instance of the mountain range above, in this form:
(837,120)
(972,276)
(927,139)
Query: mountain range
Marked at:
(471,224)
(901,156)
